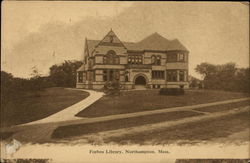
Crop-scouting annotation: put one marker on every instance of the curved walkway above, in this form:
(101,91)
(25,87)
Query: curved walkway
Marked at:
(70,112)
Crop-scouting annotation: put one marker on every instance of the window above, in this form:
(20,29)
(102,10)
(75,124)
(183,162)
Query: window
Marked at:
(129,59)
(111,75)
(172,57)
(153,59)
(171,75)
(135,59)
(111,58)
(157,74)
(181,57)
(116,60)
(117,75)
(105,77)
(158,60)
(105,59)
(126,78)
(182,75)
(80,77)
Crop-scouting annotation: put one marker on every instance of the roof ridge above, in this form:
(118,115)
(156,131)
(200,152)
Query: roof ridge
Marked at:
(153,36)
(154,41)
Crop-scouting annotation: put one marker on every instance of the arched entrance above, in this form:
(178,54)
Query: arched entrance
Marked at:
(140,80)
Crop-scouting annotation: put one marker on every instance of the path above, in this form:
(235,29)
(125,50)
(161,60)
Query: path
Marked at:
(69,113)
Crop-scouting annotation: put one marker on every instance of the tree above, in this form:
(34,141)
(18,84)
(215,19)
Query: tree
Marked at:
(225,77)
(6,83)
(206,69)
(193,82)
(64,75)
(243,79)
(35,72)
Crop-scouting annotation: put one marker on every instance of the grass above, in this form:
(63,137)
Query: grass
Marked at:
(203,130)
(5,135)
(224,107)
(81,129)
(35,105)
(136,101)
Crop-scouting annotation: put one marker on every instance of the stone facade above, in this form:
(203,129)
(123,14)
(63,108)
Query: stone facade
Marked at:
(154,62)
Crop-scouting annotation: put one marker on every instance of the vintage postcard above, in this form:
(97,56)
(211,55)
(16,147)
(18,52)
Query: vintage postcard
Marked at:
(125,81)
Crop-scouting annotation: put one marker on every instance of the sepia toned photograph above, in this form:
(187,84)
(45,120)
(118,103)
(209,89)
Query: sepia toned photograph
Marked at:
(85,81)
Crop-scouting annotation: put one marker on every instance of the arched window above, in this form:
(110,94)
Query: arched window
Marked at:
(111,58)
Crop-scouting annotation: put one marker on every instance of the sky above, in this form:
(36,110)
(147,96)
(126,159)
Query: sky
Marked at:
(43,33)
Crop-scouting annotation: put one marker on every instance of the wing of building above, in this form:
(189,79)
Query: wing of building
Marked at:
(154,62)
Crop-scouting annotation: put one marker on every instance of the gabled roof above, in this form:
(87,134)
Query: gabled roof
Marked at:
(153,42)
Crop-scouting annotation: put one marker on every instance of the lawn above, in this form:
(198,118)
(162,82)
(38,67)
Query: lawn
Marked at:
(29,106)
(224,107)
(202,131)
(81,129)
(142,100)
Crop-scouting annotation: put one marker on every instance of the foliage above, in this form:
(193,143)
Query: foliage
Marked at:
(194,82)
(12,87)
(35,72)
(64,75)
(225,77)
(112,87)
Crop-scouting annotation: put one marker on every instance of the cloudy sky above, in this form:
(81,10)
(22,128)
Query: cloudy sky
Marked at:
(45,33)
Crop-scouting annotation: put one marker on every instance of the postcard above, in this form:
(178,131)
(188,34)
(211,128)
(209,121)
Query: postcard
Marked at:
(125,82)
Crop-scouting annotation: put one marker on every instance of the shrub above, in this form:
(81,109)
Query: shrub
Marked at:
(112,87)
(171,91)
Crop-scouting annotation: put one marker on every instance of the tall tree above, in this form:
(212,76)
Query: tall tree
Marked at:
(206,69)
(226,76)
(64,75)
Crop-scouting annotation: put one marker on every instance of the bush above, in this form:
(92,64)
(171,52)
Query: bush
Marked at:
(112,87)
(171,91)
